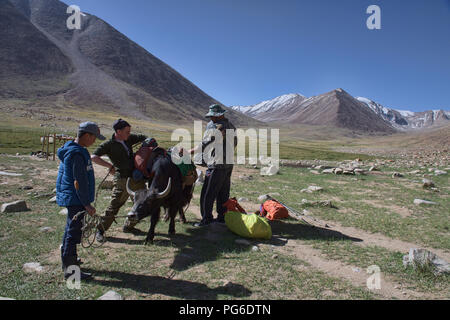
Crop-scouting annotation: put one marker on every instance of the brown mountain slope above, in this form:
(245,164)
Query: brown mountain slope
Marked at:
(111,72)
(337,108)
(30,64)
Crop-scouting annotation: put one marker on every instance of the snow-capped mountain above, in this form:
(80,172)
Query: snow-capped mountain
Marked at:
(338,108)
(263,110)
(403,119)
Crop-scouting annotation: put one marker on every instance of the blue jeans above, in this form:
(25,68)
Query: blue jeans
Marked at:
(215,188)
(72,233)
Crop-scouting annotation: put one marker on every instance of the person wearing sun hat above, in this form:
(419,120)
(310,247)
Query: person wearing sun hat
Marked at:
(216,187)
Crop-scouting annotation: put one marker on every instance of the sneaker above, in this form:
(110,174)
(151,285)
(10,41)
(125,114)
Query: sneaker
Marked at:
(100,237)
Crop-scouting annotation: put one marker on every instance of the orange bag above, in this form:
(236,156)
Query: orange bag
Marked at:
(233,205)
(273,210)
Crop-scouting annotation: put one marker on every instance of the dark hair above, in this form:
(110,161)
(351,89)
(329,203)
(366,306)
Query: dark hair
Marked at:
(120,124)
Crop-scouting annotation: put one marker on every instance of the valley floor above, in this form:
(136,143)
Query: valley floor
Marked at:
(372,221)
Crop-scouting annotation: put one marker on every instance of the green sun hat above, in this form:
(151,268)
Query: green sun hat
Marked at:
(215,111)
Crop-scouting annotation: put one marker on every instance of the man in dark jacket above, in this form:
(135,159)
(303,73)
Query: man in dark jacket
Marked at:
(75,189)
(119,149)
(216,187)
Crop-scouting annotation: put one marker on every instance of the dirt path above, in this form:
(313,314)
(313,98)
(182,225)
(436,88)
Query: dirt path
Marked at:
(389,287)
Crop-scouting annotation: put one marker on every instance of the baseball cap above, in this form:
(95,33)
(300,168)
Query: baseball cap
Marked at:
(91,127)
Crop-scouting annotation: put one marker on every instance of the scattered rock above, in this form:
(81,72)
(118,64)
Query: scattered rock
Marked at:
(246,178)
(10,174)
(359,171)
(356,269)
(52,200)
(427,183)
(111,295)
(312,189)
(440,172)
(26,188)
(424,259)
(373,168)
(275,256)
(397,175)
(322,203)
(255,248)
(328,171)
(338,171)
(263,198)
(63,211)
(315,172)
(420,201)
(33,267)
(16,206)
(269,171)
(242,200)
(46,229)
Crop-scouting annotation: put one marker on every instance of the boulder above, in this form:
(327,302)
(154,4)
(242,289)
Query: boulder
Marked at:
(111,295)
(269,171)
(16,206)
(424,260)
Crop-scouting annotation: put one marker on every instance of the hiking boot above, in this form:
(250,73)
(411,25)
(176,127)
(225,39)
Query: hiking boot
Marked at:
(100,237)
(78,262)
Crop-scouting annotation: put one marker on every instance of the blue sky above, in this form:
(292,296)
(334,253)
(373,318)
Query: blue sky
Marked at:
(242,52)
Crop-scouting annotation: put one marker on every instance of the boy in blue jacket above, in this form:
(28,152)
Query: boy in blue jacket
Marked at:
(75,190)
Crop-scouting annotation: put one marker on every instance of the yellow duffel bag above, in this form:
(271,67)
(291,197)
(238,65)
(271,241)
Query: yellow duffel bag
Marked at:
(248,225)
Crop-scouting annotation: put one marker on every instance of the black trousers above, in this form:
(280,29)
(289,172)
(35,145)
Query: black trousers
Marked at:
(215,188)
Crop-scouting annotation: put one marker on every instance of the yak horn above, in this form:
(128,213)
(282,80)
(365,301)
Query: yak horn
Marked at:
(165,192)
(130,192)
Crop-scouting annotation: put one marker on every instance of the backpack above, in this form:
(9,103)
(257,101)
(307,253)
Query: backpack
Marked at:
(273,210)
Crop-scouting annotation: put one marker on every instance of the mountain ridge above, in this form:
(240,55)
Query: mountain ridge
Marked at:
(340,109)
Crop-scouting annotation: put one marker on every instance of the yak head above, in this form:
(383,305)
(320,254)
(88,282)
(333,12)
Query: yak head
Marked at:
(143,196)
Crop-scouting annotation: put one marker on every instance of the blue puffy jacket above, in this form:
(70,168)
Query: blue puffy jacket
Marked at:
(66,194)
